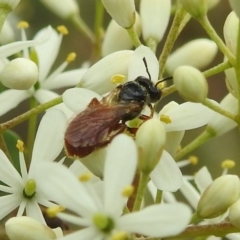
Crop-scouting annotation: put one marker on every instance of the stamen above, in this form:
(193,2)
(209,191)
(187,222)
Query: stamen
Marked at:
(20,146)
(62,29)
(30,189)
(128,191)
(53,211)
(119,236)
(23,25)
(166,119)
(118,78)
(71,57)
(85,177)
(193,160)
(228,164)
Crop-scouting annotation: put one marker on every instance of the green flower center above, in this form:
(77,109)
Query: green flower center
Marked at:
(103,222)
(30,189)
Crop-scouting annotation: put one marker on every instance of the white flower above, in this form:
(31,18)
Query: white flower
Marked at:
(7,33)
(23,191)
(46,52)
(91,209)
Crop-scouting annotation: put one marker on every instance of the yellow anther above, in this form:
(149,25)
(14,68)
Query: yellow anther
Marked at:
(228,164)
(161,85)
(62,29)
(119,236)
(193,160)
(118,78)
(85,177)
(23,24)
(53,211)
(166,119)
(128,191)
(20,146)
(71,57)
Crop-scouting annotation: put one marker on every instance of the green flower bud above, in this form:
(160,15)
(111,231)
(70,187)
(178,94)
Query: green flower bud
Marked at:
(219,196)
(190,83)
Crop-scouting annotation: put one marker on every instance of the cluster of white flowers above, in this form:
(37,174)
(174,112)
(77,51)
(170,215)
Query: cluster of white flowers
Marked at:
(103,158)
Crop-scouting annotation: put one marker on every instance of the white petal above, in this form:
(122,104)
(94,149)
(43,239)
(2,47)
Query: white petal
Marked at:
(166,176)
(203,179)
(34,211)
(136,65)
(157,220)
(187,116)
(77,99)
(11,98)
(119,171)
(47,51)
(173,140)
(65,79)
(57,180)
(49,140)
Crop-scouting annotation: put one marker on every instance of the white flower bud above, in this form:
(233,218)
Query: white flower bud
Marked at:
(234,214)
(116,38)
(220,124)
(190,83)
(10,3)
(150,140)
(235,6)
(230,31)
(231,81)
(122,11)
(28,229)
(197,53)
(155,16)
(20,74)
(66,9)
(219,196)
(7,34)
(196,8)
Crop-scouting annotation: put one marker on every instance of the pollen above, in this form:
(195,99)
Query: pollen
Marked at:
(53,211)
(228,164)
(166,119)
(193,160)
(119,236)
(62,29)
(71,57)
(85,177)
(23,25)
(118,78)
(128,191)
(20,146)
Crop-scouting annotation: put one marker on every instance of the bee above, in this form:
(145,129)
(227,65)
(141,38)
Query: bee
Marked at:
(101,121)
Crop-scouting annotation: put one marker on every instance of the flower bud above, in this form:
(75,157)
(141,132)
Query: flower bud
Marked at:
(234,214)
(235,6)
(219,196)
(20,74)
(190,83)
(122,11)
(150,140)
(155,16)
(196,8)
(197,53)
(7,33)
(28,229)
(65,10)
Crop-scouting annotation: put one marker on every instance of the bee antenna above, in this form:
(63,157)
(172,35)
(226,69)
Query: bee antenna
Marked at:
(145,63)
(163,80)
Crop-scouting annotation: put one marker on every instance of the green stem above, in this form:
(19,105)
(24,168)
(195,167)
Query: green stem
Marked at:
(168,90)
(208,103)
(158,197)
(82,27)
(214,36)
(202,138)
(171,38)
(217,69)
(140,192)
(23,117)
(152,44)
(4,148)
(133,35)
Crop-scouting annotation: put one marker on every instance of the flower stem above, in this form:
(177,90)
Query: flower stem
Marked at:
(158,197)
(202,138)
(208,103)
(133,35)
(4,148)
(141,190)
(23,117)
(171,38)
(214,36)
(217,69)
